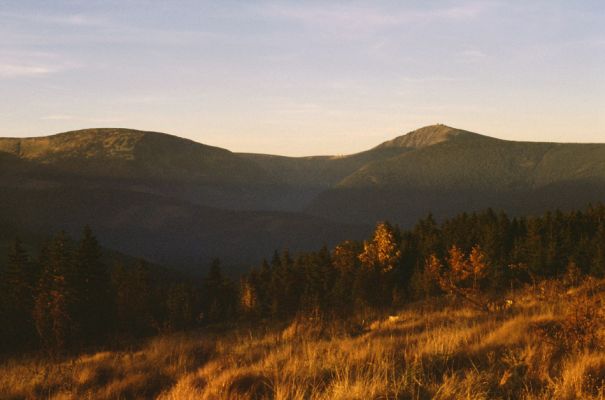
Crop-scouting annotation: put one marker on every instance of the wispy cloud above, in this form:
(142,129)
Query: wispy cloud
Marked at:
(471,55)
(80,20)
(19,70)
(58,117)
(31,64)
(356,17)
(430,79)
(76,118)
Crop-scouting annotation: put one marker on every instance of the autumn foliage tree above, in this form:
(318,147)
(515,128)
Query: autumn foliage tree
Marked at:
(68,298)
(461,276)
(379,259)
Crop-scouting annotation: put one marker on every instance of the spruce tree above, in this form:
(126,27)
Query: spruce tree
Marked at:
(597,266)
(181,306)
(56,296)
(16,299)
(345,260)
(92,286)
(219,295)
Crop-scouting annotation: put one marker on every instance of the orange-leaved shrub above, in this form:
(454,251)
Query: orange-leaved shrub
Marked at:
(462,275)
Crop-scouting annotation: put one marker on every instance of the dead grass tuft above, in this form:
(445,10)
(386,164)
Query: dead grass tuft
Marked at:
(250,386)
(547,347)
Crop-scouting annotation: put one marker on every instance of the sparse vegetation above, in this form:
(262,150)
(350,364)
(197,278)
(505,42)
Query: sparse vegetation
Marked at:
(424,351)
(479,306)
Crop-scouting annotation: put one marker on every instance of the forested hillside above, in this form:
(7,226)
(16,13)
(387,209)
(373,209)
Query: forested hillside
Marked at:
(49,296)
(181,203)
(481,305)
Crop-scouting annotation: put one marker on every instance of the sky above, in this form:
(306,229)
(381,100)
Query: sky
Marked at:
(304,77)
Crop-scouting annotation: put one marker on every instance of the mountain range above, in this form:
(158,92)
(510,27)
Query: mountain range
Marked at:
(181,203)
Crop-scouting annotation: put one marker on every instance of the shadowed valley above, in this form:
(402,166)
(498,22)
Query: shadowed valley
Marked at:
(182,203)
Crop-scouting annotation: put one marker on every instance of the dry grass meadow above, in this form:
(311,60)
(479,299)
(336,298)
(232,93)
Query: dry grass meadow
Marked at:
(547,345)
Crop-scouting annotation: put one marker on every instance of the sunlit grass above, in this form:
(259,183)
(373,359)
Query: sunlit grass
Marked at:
(422,352)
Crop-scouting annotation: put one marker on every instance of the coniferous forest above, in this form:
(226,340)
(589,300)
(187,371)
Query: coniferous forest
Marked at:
(67,297)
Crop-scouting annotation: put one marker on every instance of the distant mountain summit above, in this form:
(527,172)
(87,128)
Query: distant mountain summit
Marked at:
(104,143)
(173,200)
(428,136)
(129,153)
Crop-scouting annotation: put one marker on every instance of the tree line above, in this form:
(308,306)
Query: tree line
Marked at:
(69,296)
(486,252)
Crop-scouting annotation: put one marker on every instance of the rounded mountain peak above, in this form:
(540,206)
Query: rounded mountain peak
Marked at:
(426,136)
(101,143)
(128,153)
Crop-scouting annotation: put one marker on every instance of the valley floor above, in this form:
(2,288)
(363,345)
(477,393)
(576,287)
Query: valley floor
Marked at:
(548,345)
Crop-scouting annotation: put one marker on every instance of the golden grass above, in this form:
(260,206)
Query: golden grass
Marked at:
(442,353)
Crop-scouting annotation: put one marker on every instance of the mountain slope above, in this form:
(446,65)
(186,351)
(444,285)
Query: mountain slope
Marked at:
(167,230)
(428,136)
(181,202)
(139,161)
(126,153)
(153,195)
(479,161)
(448,171)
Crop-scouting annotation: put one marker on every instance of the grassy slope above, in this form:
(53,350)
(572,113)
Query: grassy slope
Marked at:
(481,162)
(126,153)
(319,171)
(447,352)
(446,175)
(431,156)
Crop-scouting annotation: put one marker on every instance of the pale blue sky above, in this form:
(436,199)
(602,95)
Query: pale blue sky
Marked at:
(302,78)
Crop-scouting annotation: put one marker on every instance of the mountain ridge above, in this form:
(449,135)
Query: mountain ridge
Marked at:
(429,136)
(422,137)
(124,153)
(173,199)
